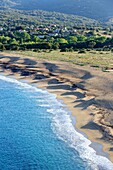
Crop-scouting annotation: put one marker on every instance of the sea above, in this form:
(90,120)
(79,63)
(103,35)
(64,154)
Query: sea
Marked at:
(37,132)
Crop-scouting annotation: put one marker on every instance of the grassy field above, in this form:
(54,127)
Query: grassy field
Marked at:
(102,59)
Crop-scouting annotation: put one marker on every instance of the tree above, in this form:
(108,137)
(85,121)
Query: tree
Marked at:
(4,39)
(72,39)
(91,44)
(35,39)
(61,41)
(51,39)
(55,46)
(101,39)
(81,38)
(13,41)
(2,48)
(24,35)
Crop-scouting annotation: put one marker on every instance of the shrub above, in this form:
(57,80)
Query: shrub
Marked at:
(81,51)
(64,50)
(112,50)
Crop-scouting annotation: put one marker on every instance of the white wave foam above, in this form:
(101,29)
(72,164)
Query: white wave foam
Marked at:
(63,127)
(44,105)
(49,103)
(21,84)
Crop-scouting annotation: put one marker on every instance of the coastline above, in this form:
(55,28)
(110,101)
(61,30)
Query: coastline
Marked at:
(75,87)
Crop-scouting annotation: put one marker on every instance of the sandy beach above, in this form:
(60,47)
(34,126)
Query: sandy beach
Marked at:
(86,91)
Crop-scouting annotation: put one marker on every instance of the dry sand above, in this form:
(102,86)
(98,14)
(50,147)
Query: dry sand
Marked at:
(86,91)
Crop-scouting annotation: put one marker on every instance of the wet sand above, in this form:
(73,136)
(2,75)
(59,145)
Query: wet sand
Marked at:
(86,91)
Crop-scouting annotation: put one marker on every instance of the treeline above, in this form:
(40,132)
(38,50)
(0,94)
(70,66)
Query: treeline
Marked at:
(24,41)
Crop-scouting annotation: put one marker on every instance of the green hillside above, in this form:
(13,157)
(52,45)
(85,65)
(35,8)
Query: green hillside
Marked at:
(96,9)
(12,17)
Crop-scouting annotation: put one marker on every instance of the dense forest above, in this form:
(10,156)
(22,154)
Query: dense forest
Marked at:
(41,30)
(23,40)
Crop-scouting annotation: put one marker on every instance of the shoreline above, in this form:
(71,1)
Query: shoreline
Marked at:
(96,146)
(56,78)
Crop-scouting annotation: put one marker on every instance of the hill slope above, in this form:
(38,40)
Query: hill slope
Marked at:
(97,9)
(11,16)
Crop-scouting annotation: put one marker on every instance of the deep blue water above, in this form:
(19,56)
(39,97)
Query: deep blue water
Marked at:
(36,132)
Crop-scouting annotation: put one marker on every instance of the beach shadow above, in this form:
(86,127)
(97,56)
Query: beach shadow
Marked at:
(12,59)
(51,67)
(91,126)
(86,76)
(40,77)
(111,149)
(28,61)
(79,73)
(30,66)
(4,65)
(106,103)
(54,81)
(15,69)
(84,104)
(62,87)
(27,73)
(77,94)
(81,85)
(92,114)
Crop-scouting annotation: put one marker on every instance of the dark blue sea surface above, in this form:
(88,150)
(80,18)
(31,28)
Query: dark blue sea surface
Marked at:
(36,132)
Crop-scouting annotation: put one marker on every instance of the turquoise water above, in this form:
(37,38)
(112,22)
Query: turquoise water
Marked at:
(36,132)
